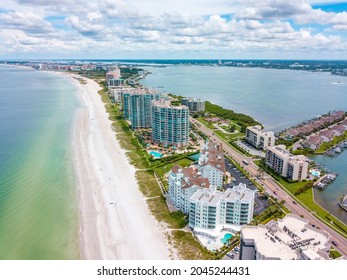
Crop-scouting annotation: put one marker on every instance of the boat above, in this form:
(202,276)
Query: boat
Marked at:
(343,203)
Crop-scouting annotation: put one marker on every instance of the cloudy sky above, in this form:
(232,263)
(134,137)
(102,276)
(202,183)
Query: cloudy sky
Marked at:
(234,29)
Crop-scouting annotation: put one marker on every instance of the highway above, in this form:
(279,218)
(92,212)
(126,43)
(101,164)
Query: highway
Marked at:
(274,189)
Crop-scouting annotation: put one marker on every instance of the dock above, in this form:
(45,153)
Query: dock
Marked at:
(325,180)
(337,149)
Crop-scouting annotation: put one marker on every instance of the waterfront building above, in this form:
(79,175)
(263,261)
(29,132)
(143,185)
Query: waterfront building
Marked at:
(194,105)
(117,92)
(211,163)
(291,238)
(137,106)
(113,74)
(183,183)
(287,165)
(115,82)
(258,138)
(210,209)
(170,124)
(313,142)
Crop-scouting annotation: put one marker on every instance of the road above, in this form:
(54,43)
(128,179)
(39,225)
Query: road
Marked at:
(274,189)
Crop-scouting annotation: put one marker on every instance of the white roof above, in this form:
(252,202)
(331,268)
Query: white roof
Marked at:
(287,238)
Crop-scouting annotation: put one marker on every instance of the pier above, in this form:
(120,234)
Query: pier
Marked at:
(325,180)
(337,149)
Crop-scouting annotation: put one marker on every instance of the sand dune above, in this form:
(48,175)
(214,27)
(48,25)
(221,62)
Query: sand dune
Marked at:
(115,220)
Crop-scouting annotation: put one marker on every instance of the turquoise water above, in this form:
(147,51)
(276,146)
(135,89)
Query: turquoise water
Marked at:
(226,238)
(277,98)
(38,213)
(195,157)
(155,154)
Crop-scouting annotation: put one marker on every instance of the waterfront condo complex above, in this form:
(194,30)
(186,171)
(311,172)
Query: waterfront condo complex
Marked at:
(211,163)
(183,183)
(210,208)
(170,124)
(137,106)
(287,165)
(194,105)
(291,238)
(113,77)
(258,138)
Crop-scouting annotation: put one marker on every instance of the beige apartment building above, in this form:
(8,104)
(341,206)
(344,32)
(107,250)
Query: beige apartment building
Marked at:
(279,159)
(258,138)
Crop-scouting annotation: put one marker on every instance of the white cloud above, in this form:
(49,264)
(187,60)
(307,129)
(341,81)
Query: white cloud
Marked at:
(105,26)
(118,9)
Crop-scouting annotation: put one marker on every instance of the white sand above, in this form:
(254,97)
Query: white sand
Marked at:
(115,220)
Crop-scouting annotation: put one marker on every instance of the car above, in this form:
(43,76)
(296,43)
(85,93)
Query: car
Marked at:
(334,243)
(294,202)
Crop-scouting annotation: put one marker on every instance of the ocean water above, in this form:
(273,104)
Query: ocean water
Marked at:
(276,98)
(38,212)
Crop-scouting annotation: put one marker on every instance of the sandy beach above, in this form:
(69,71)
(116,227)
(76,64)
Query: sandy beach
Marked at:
(114,217)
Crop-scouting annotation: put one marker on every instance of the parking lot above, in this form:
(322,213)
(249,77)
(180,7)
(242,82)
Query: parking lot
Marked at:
(234,254)
(260,203)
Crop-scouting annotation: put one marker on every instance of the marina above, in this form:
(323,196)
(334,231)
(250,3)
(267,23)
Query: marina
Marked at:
(323,182)
(337,149)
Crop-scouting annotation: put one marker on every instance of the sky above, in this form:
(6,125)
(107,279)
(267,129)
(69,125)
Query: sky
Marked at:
(173,29)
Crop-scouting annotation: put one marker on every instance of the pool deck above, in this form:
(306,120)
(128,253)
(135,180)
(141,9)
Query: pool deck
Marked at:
(211,238)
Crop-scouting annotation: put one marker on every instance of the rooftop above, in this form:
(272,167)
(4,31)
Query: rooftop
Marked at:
(289,238)
(165,103)
(191,177)
(212,154)
(212,197)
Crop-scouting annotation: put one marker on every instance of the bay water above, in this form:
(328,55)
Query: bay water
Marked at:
(276,98)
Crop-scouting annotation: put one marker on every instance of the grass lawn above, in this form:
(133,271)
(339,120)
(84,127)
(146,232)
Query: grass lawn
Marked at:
(222,135)
(147,183)
(159,209)
(334,254)
(206,123)
(184,162)
(189,248)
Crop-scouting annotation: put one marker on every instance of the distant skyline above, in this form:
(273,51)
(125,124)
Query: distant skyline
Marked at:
(166,29)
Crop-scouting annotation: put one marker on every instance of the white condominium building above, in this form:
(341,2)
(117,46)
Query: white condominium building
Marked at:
(287,165)
(183,183)
(258,138)
(194,105)
(211,163)
(210,208)
(291,238)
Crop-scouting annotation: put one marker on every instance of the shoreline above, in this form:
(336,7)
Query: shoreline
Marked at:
(112,210)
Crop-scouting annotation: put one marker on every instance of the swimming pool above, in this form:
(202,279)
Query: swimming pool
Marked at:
(315,173)
(226,238)
(195,157)
(155,154)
